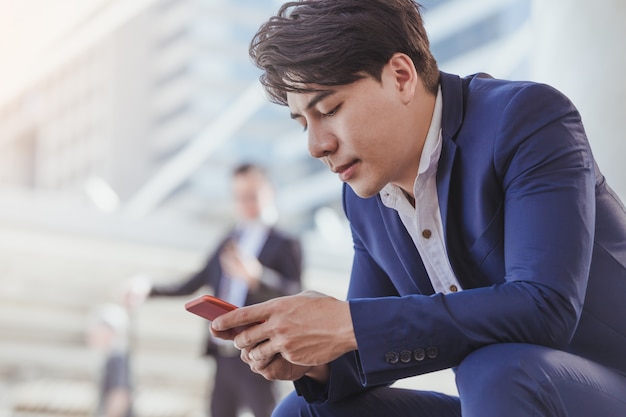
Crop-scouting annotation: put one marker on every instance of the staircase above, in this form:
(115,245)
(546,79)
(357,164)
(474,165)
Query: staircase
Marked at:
(49,283)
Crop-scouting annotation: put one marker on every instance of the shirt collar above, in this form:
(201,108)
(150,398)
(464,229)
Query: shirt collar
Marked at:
(429,160)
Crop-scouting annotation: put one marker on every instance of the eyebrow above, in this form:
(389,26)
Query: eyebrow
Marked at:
(316,99)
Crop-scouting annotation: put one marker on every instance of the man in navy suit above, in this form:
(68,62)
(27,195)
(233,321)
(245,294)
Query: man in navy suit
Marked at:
(253,263)
(486,238)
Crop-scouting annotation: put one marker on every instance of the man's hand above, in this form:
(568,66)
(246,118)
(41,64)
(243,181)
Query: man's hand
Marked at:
(239,266)
(135,291)
(276,368)
(307,329)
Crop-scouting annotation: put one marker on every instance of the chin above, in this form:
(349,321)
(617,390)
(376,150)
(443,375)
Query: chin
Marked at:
(364,191)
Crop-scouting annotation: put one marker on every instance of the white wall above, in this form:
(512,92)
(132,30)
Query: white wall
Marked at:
(579,47)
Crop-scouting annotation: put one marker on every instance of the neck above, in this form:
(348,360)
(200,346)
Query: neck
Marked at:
(422,111)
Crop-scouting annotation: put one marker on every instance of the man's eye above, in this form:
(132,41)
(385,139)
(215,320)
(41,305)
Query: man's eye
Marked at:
(331,113)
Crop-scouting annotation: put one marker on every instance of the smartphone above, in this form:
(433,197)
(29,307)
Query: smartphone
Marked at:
(209,307)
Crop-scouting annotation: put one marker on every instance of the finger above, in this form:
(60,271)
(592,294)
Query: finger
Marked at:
(240,317)
(261,366)
(225,335)
(245,357)
(258,367)
(279,369)
(264,351)
(251,336)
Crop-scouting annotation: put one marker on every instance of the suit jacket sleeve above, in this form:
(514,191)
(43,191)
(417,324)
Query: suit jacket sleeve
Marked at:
(346,375)
(209,276)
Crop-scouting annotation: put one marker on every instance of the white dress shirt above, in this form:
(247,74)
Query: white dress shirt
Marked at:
(423,222)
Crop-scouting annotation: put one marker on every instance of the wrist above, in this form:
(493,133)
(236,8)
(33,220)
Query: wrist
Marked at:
(319,373)
(347,329)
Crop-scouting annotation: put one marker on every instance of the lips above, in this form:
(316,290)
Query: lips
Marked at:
(345,171)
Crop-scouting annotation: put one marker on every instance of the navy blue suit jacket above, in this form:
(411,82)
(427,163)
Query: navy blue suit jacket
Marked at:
(534,235)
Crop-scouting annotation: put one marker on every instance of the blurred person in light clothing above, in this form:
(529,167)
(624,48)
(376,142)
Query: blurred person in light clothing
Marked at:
(107,333)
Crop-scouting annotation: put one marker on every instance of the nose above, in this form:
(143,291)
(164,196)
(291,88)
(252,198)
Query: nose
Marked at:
(321,143)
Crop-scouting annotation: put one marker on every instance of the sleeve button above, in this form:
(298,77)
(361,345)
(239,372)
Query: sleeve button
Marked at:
(419,354)
(432,352)
(405,356)
(392,357)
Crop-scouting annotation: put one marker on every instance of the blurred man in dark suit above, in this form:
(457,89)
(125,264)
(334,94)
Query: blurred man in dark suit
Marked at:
(253,263)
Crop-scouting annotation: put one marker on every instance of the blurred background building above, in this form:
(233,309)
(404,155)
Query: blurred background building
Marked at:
(120,122)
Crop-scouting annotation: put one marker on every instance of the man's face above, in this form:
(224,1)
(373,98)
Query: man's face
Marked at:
(363,131)
(252,194)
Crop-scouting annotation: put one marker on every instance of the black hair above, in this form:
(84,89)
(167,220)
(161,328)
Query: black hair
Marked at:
(337,42)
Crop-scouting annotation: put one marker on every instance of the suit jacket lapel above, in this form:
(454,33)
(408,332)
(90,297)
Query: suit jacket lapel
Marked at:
(452,117)
(408,255)
(444,173)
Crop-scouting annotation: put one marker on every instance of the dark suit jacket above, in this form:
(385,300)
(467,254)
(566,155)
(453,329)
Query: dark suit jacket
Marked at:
(534,235)
(281,257)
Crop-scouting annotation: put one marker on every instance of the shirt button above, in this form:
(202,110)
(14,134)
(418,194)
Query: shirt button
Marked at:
(392,357)
(454,288)
(427,233)
(419,354)
(405,356)
(432,352)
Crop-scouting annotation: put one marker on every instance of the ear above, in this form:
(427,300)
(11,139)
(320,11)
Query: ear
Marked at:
(404,75)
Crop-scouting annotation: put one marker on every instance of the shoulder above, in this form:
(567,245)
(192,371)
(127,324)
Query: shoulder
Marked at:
(479,105)
(500,108)
(514,94)
(484,88)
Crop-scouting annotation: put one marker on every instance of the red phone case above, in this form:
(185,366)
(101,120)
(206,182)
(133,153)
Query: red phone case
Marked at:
(209,307)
